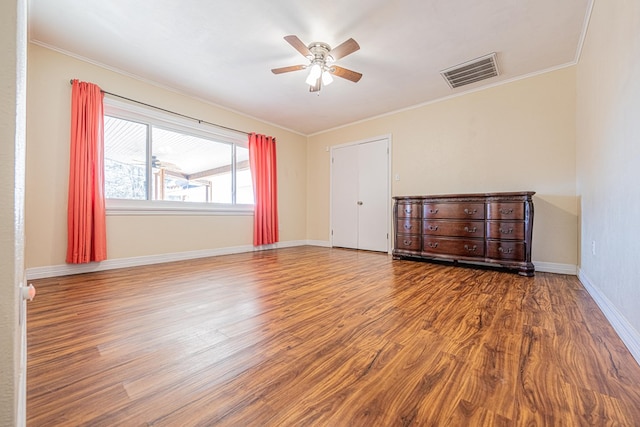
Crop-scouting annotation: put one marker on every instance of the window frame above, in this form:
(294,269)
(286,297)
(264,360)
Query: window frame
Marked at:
(166,120)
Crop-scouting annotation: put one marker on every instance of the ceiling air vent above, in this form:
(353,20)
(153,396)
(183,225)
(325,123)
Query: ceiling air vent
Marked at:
(472,71)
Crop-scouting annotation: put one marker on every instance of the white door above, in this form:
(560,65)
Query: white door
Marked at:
(344,191)
(360,196)
(373,196)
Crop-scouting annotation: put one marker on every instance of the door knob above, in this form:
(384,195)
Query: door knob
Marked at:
(359,203)
(28,292)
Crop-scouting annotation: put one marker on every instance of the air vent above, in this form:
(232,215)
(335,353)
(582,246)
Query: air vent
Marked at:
(472,71)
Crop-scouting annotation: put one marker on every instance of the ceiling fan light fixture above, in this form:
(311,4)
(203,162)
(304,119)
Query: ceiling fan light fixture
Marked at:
(311,80)
(327,79)
(316,70)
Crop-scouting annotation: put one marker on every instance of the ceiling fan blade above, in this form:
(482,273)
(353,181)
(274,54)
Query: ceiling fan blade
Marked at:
(288,69)
(298,45)
(344,49)
(354,76)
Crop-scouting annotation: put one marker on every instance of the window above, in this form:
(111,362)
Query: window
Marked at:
(156,162)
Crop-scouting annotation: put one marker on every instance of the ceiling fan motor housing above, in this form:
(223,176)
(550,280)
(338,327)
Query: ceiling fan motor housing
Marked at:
(320,51)
(320,55)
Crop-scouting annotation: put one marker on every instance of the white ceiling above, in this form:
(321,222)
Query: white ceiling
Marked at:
(223,51)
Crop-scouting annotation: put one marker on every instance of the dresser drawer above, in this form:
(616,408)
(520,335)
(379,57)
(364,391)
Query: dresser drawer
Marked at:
(505,210)
(454,210)
(409,226)
(505,230)
(455,247)
(408,242)
(512,251)
(435,227)
(409,210)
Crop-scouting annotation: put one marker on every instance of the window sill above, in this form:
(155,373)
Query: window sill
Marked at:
(146,207)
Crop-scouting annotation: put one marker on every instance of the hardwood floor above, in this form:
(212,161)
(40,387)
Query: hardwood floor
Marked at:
(327,337)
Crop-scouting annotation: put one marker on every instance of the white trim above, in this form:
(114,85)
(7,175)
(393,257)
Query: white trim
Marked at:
(165,207)
(386,136)
(552,267)
(69,269)
(111,264)
(627,333)
(321,243)
(585,28)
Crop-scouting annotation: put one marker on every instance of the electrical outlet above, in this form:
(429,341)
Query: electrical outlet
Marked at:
(397,177)
(593,247)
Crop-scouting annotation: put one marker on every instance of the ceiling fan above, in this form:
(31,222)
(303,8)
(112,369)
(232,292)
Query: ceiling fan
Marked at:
(321,58)
(158,164)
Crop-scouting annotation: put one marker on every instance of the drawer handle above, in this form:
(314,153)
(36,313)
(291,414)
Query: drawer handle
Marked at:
(470,230)
(407,242)
(506,211)
(433,245)
(505,251)
(509,231)
(407,226)
(433,211)
(433,227)
(407,210)
(470,249)
(470,211)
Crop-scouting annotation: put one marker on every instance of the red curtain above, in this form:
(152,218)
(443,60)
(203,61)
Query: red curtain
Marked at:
(86,215)
(262,160)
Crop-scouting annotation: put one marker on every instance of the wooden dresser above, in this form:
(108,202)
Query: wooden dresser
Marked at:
(494,228)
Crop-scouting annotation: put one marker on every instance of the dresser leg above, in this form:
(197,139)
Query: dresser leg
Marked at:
(528,271)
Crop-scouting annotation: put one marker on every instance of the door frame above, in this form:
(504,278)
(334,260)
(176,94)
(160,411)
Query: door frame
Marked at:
(389,205)
(13,116)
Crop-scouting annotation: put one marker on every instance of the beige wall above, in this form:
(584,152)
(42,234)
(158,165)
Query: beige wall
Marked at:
(48,122)
(517,136)
(608,156)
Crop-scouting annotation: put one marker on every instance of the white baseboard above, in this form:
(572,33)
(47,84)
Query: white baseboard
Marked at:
(323,243)
(69,269)
(552,267)
(111,264)
(627,333)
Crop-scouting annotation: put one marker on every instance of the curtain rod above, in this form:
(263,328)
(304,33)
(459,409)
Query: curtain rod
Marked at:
(169,111)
